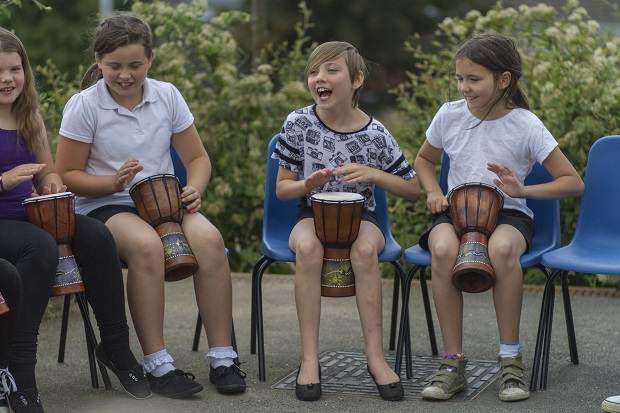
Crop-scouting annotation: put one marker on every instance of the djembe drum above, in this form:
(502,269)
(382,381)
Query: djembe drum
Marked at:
(337,218)
(158,201)
(475,208)
(55,213)
(3,305)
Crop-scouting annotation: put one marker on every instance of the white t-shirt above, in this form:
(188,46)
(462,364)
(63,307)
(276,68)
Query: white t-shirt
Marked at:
(517,140)
(117,134)
(307,145)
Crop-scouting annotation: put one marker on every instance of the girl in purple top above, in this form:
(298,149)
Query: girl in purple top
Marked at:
(27,169)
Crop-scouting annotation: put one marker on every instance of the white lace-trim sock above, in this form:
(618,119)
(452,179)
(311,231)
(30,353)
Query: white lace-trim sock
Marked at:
(158,363)
(221,356)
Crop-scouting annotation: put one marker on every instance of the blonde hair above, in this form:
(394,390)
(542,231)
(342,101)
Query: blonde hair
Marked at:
(25,109)
(333,50)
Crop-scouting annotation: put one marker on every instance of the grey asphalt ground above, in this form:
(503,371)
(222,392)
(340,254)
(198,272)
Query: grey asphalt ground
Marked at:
(66,387)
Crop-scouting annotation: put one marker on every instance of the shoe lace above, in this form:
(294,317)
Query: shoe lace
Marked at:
(7,383)
(180,373)
(232,370)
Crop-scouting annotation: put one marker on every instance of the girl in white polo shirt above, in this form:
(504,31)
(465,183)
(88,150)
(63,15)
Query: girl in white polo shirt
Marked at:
(116,131)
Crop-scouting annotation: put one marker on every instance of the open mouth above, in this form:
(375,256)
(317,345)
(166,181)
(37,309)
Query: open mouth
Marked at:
(324,93)
(7,89)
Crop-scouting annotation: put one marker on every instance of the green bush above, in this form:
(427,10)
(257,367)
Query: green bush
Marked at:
(571,76)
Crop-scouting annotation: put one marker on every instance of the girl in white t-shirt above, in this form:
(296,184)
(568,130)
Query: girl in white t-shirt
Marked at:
(491,136)
(116,131)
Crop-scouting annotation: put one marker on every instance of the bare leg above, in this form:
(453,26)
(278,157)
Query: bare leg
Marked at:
(309,261)
(212,282)
(140,247)
(364,259)
(506,246)
(444,246)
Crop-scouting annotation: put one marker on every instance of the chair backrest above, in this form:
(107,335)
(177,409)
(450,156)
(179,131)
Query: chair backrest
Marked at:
(546,212)
(598,220)
(179,168)
(279,216)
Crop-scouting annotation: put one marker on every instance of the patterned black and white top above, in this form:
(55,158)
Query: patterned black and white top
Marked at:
(306,145)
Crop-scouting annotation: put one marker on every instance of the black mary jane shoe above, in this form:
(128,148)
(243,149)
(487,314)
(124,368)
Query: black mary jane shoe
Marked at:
(391,392)
(308,392)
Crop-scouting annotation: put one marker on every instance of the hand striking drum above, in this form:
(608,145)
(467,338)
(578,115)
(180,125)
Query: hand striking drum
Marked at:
(475,208)
(337,218)
(55,213)
(158,201)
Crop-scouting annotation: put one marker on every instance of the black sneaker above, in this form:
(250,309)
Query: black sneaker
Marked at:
(133,381)
(27,401)
(228,379)
(175,384)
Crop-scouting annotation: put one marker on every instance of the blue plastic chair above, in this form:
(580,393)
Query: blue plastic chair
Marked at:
(278,221)
(546,238)
(594,249)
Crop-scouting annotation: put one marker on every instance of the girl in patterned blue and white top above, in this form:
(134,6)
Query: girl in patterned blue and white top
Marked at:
(335,146)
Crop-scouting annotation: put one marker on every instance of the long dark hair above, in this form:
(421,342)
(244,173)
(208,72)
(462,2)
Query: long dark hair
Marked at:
(114,32)
(498,54)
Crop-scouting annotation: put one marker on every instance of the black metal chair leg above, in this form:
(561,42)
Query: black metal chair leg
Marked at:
(568,315)
(428,311)
(260,267)
(547,343)
(197,333)
(541,336)
(260,332)
(63,328)
(91,342)
(403,331)
(398,279)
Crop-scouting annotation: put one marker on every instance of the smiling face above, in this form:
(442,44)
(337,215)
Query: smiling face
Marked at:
(124,72)
(11,77)
(330,83)
(481,89)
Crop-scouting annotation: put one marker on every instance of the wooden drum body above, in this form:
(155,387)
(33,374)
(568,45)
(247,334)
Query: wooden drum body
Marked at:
(3,305)
(55,213)
(337,218)
(158,201)
(475,208)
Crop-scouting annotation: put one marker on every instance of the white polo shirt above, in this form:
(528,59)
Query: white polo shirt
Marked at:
(117,134)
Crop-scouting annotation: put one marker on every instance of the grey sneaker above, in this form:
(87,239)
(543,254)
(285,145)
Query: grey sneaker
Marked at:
(611,404)
(512,385)
(449,380)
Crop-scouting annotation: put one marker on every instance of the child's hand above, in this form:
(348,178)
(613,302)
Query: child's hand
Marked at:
(318,179)
(19,174)
(355,173)
(191,199)
(126,173)
(436,202)
(53,189)
(507,182)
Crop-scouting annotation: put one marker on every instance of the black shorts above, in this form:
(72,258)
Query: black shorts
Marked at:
(521,221)
(108,211)
(304,211)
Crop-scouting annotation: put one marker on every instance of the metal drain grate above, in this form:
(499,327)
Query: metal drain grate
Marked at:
(345,373)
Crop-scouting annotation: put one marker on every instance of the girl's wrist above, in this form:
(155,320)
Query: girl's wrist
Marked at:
(1,184)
